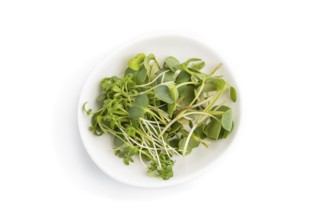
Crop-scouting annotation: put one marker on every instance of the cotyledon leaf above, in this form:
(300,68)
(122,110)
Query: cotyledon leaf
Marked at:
(141,76)
(154,69)
(233,94)
(117,141)
(193,143)
(141,100)
(163,93)
(212,130)
(187,95)
(167,77)
(136,112)
(172,62)
(135,62)
(174,95)
(185,64)
(198,66)
(226,133)
(183,77)
(214,84)
(226,120)
(146,62)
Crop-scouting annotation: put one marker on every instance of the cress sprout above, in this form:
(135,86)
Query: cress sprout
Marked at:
(155,112)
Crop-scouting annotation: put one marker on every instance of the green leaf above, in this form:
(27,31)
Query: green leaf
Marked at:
(146,156)
(174,143)
(129,71)
(183,77)
(146,62)
(194,72)
(223,108)
(191,124)
(165,171)
(168,76)
(175,128)
(135,62)
(171,107)
(105,84)
(126,153)
(141,76)
(187,95)
(226,133)
(117,141)
(191,60)
(193,143)
(172,62)
(198,66)
(212,130)
(233,94)
(183,121)
(153,71)
(87,111)
(163,93)
(136,112)
(141,100)
(226,120)
(95,127)
(214,84)
(199,131)
(185,64)
(216,69)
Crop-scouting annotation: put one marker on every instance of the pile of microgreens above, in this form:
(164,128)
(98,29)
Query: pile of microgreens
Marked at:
(156,112)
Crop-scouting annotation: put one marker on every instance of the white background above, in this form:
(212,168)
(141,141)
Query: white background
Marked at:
(277,168)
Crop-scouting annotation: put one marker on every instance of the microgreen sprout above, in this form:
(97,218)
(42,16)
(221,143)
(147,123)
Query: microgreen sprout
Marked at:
(158,113)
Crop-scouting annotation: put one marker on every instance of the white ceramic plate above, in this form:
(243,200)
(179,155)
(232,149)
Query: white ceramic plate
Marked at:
(100,148)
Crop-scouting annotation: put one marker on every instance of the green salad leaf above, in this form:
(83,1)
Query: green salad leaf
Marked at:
(159,113)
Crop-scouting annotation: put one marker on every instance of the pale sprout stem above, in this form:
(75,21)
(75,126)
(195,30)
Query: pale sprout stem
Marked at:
(161,74)
(157,156)
(188,139)
(130,140)
(206,142)
(154,115)
(199,93)
(163,77)
(164,143)
(170,124)
(146,147)
(160,112)
(217,96)
(216,69)
(126,137)
(156,138)
(188,118)
(186,83)
(155,149)
(182,115)
(176,152)
(202,102)
(162,84)
(157,142)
